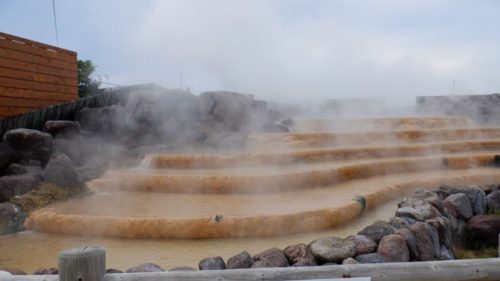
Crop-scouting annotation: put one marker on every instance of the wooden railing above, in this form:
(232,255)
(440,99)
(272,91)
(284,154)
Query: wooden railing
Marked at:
(34,75)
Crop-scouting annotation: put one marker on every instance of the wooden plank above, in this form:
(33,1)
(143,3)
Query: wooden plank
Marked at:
(20,56)
(37,77)
(10,63)
(26,102)
(23,93)
(32,85)
(36,51)
(456,270)
(38,46)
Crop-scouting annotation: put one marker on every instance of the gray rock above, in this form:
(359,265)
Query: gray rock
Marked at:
(424,241)
(377,230)
(241,260)
(214,263)
(370,258)
(393,248)
(332,249)
(18,169)
(11,186)
(443,227)
(350,261)
(461,205)
(425,196)
(364,244)
(299,255)
(61,171)
(411,242)
(145,267)
(459,236)
(493,201)
(113,270)
(434,234)
(446,253)
(34,144)
(476,196)
(399,223)
(229,109)
(62,128)
(273,257)
(420,213)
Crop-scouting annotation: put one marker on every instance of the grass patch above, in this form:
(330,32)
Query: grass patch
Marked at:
(44,195)
(487,252)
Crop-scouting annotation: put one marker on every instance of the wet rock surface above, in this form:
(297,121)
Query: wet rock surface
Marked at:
(364,244)
(332,249)
(393,248)
(299,255)
(32,143)
(213,263)
(241,260)
(273,257)
(61,171)
(377,230)
(62,128)
(461,204)
(370,258)
(11,186)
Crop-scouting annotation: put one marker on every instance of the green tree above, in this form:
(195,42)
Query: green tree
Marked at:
(87,84)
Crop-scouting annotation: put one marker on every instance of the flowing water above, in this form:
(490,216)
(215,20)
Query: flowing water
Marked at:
(175,209)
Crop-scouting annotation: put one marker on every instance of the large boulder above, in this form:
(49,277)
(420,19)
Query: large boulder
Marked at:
(11,186)
(229,110)
(476,195)
(213,263)
(332,249)
(299,255)
(443,227)
(364,244)
(461,204)
(393,248)
(62,128)
(273,257)
(420,197)
(241,260)
(377,230)
(32,143)
(61,171)
(399,222)
(411,242)
(484,229)
(426,237)
(145,267)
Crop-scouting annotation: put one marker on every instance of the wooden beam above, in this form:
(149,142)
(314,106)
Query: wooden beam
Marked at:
(37,77)
(33,45)
(33,94)
(456,270)
(30,58)
(10,63)
(37,86)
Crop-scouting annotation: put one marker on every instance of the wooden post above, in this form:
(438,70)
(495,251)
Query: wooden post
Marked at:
(82,264)
(499,245)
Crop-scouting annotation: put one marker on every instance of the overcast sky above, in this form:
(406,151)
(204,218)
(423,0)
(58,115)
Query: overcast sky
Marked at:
(293,50)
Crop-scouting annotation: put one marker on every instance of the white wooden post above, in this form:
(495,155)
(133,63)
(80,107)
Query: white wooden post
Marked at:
(82,264)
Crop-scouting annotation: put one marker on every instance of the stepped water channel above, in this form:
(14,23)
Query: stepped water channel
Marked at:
(329,177)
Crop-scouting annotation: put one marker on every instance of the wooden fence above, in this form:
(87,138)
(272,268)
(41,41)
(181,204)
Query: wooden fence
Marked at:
(34,75)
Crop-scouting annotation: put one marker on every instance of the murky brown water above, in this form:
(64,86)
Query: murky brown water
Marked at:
(265,219)
(30,250)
